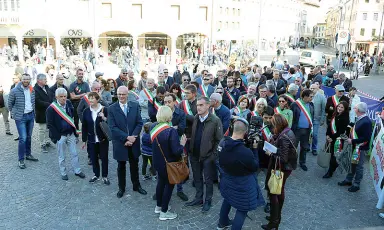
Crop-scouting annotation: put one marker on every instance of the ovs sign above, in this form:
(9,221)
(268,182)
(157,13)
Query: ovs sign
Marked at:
(75,33)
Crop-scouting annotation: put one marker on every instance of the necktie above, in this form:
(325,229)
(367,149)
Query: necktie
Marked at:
(125,109)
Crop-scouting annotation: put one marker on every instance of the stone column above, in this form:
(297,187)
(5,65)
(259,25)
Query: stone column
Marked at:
(57,46)
(173,50)
(19,40)
(134,42)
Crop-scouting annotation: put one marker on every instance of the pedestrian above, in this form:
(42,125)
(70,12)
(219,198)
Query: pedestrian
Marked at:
(156,102)
(167,147)
(241,110)
(337,127)
(146,153)
(284,109)
(63,132)
(319,102)
(237,166)
(206,135)
(231,93)
(286,158)
(125,123)
(302,125)
(105,92)
(78,89)
(354,99)
(21,104)
(43,101)
(59,84)
(334,100)
(146,96)
(359,139)
(93,136)
(4,110)
(221,111)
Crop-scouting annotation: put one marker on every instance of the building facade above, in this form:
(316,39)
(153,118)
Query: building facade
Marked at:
(319,33)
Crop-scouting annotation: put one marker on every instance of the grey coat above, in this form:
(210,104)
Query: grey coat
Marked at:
(16,101)
(319,102)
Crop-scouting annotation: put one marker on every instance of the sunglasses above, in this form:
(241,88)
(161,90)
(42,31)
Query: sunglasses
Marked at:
(238,80)
(341,91)
(186,80)
(206,79)
(219,92)
(165,72)
(282,101)
(125,73)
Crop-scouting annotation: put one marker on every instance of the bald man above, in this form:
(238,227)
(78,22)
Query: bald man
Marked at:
(125,123)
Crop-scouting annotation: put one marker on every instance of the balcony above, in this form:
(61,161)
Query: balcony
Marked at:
(9,18)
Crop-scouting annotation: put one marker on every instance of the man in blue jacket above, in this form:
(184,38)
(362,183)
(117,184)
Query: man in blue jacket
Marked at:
(221,111)
(124,120)
(360,138)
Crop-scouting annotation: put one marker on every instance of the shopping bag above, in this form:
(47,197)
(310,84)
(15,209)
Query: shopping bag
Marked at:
(324,156)
(275,182)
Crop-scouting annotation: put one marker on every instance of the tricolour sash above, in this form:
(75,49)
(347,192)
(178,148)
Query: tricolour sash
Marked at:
(335,100)
(64,115)
(213,111)
(239,110)
(333,125)
(338,145)
(356,151)
(187,108)
(305,110)
(158,129)
(135,94)
(86,99)
(149,95)
(203,91)
(278,110)
(255,113)
(290,97)
(178,100)
(231,98)
(266,133)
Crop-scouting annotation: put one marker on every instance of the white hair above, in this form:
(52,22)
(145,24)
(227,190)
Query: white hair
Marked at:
(292,88)
(217,97)
(362,107)
(60,91)
(262,101)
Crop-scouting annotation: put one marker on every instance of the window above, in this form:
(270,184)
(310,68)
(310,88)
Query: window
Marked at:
(227,11)
(233,11)
(238,12)
(362,31)
(233,25)
(375,16)
(106,9)
(238,25)
(226,25)
(373,32)
(175,12)
(203,10)
(1,5)
(221,10)
(364,16)
(13,5)
(137,11)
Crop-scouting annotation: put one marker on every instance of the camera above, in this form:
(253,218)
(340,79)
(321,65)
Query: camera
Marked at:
(254,131)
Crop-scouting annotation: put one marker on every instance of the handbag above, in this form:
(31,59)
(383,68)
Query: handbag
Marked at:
(275,182)
(324,156)
(177,171)
(105,128)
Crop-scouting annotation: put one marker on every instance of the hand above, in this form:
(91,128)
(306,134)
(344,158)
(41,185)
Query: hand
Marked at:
(331,108)
(101,115)
(349,141)
(128,143)
(131,139)
(183,140)
(175,127)
(84,144)
(268,153)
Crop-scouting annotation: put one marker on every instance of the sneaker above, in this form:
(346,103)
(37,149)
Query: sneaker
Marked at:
(146,177)
(304,167)
(31,158)
(223,227)
(167,215)
(81,175)
(106,181)
(9,133)
(381,215)
(65,177)
(158,209)
(182,196)
(353,189)
(22,164)
(344,183)
(44,149)
(93,179)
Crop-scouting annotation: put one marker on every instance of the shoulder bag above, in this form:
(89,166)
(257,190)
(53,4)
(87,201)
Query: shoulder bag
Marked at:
(177,171)
(275,182)
(324,156)
(105,128)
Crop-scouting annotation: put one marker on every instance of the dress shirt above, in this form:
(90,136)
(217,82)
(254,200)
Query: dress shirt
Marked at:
(202,119)
(28,103)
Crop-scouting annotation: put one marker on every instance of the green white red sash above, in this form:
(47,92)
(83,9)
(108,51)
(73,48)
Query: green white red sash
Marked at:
(356,151)
(213,111)
(255,113)
(335,100)
(290,97)
(231,98)
(187,108)
(203,91)
(278,110)
(149,95)
(266,133)
(305,110)
(226,132)
(86,99)
(178,100)
(158,129)
(338,145)
(135,94)
(333,125)
(59,110)
(239,110)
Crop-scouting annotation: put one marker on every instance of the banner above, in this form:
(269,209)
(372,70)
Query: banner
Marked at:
(376,166)
(373,105)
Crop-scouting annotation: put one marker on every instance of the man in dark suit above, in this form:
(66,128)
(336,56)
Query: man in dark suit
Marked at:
(42,101)
(279,83)
(168,79)
(125,123)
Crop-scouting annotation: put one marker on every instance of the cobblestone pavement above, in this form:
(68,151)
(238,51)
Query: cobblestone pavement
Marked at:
(37,198)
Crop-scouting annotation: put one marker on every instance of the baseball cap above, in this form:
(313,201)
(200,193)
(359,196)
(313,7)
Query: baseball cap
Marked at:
(99,74)
(339,88)
(123,70)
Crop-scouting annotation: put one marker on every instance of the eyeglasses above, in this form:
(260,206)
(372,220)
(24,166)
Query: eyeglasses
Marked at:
(282,101)
(186,80)
(206,79)
(219,92)
(341,91)
(238,80)
(125,73)
(165,72)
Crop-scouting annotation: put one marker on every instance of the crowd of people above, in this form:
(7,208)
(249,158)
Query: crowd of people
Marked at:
(202,118)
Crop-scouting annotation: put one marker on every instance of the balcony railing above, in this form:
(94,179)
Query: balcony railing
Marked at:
(9,17)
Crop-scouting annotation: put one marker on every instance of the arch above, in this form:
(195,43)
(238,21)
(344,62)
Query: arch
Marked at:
(114,33)
(111,40)
(186,43)
(153,40)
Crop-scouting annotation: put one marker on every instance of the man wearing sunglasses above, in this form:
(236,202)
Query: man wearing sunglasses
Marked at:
(123,78)
(206,89)
(333,101)
(168,79)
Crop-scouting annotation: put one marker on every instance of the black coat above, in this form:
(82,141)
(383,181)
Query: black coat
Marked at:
(52,91)
(88,126)
(42,102)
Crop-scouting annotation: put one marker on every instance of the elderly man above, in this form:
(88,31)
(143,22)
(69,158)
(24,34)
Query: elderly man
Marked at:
(344,81)
(354,99)
(78,90)
(63,132)
(125,123)
(123,78)
(4,110)
(206,135)
(43,100)
(251,92)
(292,92)
(360,140)
(319,102)
(302,124)
(21,104)
(221,111)
(59,84)
(220,80)
(145,95)
(263,90)
(278,83)
(333,101)
(206,89)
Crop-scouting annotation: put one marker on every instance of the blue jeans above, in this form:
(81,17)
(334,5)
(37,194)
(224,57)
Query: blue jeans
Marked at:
(25,128)
(357,170)
(239,219)
(316,126)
